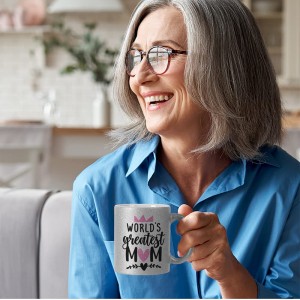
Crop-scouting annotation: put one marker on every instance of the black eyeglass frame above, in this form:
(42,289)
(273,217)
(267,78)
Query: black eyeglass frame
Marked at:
(170,52)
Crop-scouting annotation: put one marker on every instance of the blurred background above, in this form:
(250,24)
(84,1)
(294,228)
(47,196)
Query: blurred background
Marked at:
(56,58)
(29,76)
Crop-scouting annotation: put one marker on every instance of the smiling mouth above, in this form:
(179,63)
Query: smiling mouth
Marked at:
(152,100)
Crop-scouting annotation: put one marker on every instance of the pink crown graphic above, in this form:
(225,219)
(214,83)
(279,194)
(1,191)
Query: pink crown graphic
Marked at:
(143,219)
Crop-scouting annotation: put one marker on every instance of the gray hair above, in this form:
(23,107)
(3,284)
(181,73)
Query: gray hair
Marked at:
(228,73)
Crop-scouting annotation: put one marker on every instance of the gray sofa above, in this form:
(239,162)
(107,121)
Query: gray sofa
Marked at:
(34,243)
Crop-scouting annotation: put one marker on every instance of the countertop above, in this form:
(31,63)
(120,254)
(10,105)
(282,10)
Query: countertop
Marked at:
(60,131)
(290,120)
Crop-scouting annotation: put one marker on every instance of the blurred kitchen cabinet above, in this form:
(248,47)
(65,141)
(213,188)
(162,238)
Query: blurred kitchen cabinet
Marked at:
(279,22)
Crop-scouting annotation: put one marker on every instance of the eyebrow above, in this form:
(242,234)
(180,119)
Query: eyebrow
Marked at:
(159,43)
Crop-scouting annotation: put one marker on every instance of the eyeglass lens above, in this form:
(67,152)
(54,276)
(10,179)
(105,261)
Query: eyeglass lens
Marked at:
(157,58)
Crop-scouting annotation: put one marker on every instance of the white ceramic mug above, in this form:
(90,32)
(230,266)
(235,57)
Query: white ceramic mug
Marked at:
(142,239)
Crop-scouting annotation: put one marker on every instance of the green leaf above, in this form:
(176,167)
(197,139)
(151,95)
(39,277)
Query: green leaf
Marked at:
(69,69)
(87,50)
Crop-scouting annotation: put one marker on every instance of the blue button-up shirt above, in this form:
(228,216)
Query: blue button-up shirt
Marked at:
(257,202)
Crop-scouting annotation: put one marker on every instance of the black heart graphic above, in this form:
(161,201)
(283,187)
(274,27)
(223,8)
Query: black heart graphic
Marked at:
(143,266)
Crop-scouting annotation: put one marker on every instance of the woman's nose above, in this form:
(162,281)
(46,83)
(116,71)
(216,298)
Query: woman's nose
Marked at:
(144,72)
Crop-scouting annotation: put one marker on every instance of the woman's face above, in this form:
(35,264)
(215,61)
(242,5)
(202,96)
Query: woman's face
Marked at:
(178,114)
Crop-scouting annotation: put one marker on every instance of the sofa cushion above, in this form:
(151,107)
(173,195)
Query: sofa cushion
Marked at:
(54,246)
(20,211)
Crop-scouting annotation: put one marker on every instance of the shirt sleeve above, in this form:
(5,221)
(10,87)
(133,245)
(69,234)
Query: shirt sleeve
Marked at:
(91,273)
(283,278)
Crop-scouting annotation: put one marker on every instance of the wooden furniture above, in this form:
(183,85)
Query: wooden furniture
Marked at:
(29,156)
(24,153)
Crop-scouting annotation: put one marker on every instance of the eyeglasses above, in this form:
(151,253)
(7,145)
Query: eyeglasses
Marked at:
(158,59)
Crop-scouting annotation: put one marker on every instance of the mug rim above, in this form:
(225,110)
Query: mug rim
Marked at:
(144,205)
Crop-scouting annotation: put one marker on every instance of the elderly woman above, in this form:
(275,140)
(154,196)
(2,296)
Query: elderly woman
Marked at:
(195,79)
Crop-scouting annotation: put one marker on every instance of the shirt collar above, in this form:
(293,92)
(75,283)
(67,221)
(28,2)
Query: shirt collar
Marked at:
(142,150)
(234,175)
(267,156)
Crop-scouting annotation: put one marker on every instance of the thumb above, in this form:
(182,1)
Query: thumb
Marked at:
(185,210)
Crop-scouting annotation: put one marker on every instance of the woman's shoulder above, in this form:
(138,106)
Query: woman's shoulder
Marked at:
(112,168)
(103,179)
(98,178)
(114,161)
(285,160)
(280,165)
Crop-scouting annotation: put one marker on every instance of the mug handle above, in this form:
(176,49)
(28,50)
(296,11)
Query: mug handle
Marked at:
(179,260)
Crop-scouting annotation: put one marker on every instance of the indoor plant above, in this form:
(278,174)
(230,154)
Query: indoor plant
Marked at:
(88,54)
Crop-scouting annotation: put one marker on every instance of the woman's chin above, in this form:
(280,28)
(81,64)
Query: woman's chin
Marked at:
(157,129)
(154,128)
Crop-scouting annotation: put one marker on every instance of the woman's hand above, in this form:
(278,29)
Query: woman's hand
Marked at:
(204,233)
(211,252)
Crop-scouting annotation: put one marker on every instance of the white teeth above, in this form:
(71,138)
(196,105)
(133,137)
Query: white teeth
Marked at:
(157,98)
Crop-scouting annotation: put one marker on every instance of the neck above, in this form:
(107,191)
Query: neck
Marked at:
(192,172)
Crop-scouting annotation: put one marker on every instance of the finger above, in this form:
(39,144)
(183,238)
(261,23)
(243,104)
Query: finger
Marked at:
(211,263)
(201,264)
(185,210)
(211,236)
(203,251)
(192,239)
(195,220)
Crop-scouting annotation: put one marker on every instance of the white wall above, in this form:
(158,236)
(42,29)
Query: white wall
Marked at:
(74,92)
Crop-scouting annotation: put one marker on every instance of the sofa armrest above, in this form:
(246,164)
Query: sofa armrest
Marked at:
(54,246)
(20,211)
